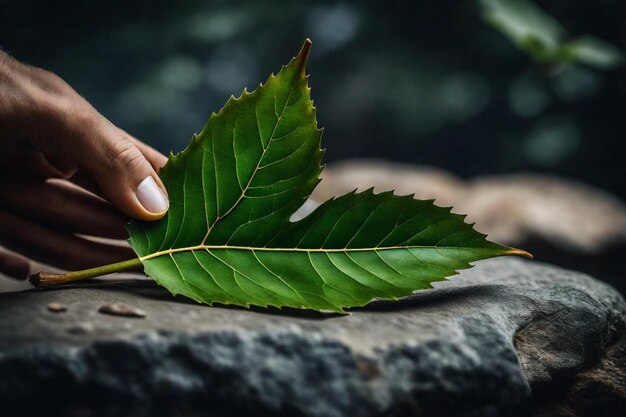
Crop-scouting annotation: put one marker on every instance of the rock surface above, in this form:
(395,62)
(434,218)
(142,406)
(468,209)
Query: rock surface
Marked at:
(482,344)
(558,220)
(599,391)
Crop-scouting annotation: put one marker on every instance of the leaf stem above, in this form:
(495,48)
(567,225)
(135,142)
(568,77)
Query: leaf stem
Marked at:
(45,280)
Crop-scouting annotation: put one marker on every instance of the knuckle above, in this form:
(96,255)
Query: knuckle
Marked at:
(127,157)
(45,76)
(50,83)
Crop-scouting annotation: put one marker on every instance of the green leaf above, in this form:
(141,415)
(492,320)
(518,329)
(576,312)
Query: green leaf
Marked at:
(594,52)
(542,37)
(227,237)
(527,25)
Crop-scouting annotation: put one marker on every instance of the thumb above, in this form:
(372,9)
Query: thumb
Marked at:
(124,175)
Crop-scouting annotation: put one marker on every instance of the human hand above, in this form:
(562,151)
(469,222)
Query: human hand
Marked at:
(65,171)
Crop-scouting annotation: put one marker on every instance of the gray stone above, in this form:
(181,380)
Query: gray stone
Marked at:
(484,343)
(598,391)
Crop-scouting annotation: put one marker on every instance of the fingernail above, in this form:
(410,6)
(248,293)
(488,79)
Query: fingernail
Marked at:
(151,197)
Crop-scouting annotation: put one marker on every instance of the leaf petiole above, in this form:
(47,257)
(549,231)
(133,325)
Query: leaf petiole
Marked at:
(44,280)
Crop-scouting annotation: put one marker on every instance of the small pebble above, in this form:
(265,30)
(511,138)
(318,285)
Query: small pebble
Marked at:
(122,310)
(57,307)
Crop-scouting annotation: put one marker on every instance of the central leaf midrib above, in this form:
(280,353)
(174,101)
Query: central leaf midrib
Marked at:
(321,250)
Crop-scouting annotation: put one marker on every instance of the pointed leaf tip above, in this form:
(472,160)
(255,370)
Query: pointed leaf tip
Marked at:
(518,252)
(306,48)
(303,55)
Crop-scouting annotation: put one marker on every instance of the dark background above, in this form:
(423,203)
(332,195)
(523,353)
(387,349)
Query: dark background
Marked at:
(426,82)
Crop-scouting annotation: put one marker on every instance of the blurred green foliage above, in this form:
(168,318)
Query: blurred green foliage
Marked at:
(415,81)
(536,32)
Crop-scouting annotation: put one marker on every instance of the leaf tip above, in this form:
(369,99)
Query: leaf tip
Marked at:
(303,55)
(518,252)
(306,47)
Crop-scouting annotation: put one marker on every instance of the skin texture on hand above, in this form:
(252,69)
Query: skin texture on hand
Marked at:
(66,172)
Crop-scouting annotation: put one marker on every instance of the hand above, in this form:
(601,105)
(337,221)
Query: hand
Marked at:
(65,171)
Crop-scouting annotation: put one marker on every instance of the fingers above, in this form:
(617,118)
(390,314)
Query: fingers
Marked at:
(85,182)
(30,163)
(56,248)
(44,113)
(154,157)
(62,206)
(14,265)
(123,173)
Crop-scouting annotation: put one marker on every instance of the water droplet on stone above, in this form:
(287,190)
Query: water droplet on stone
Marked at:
(122,310)
(57,307)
